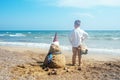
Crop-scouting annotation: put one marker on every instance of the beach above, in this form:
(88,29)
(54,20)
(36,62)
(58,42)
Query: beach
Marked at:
(26,63)
(59,40)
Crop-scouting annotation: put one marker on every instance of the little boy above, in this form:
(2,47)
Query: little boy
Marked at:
(76,37)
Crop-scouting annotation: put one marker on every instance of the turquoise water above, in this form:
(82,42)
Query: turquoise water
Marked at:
(98,40)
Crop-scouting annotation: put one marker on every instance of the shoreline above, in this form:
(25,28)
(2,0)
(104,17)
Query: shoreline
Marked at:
(96,56)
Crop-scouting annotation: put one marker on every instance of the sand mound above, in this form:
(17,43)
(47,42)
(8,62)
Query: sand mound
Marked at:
(54,58)
(58,61)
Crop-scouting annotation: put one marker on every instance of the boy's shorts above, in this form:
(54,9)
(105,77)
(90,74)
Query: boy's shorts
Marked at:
(77,50)
(80,50)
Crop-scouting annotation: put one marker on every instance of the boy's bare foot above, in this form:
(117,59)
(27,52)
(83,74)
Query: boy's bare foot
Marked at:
(74,64)
(79,68)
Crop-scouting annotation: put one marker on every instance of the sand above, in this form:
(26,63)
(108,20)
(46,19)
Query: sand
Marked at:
(21,63)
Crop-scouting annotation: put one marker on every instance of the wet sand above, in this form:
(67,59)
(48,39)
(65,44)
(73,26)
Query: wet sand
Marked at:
(21,63)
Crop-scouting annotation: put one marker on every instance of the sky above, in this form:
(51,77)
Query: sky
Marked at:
(59,14)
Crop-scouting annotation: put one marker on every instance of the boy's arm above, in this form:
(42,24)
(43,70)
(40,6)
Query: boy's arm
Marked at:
(85,35)
(71,37)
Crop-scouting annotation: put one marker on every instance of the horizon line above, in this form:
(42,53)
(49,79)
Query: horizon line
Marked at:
(63,30)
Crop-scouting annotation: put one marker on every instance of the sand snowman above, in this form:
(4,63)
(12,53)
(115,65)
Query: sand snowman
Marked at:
(55,58)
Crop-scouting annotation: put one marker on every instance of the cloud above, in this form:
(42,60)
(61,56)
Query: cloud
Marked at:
(87,3)
(88,15)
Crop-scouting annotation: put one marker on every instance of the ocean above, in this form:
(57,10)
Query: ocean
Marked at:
(100,41)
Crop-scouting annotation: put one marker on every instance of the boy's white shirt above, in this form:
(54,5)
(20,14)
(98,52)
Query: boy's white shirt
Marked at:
(77,36)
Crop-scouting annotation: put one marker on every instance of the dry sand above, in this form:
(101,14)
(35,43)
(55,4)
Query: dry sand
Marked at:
(20,63)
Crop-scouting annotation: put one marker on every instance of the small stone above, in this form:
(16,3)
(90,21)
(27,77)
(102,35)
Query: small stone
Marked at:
(68,70)
(54,72)
(79,68)
(49,73)
(65,68)
(46,69)
(43,67)
(21,66)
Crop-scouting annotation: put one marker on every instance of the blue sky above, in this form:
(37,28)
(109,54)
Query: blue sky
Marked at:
(59,14)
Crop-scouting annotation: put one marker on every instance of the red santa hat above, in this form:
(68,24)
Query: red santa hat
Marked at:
(55,40)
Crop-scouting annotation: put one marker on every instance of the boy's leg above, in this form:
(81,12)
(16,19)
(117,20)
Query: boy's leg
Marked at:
(79,56)
(74,55)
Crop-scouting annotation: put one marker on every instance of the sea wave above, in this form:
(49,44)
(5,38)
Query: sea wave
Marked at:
(29,32)
(37,37)
(63,47)
(115,38)
(7,32)
(17,35)
(3,34)
(25,44)
(104,38)
(104,50)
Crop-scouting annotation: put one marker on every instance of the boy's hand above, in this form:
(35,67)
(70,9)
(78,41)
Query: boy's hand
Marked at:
(82,39)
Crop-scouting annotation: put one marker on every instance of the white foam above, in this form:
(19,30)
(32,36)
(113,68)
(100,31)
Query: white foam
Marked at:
(26,44)
(104,50)
(104,38)
(17,35)
(46,46)
(37,37)
(115,38)
(66,48)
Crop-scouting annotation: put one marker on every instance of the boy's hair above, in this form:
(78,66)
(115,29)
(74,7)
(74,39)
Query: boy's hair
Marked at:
(77,22)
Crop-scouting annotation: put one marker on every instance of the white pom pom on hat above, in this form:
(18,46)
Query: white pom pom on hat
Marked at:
(55,40)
